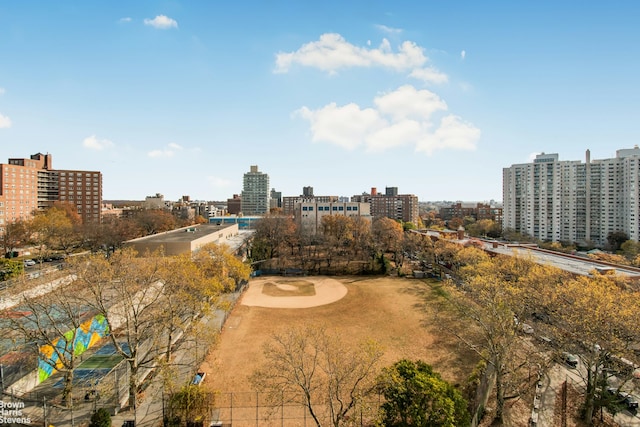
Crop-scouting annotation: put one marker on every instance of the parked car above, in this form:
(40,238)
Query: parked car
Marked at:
(570,359)
(29,262)
(527,329)
(628,400)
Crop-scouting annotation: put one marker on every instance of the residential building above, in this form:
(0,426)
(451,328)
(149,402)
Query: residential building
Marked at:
(255,192)
(308,214)
(276,199)
(234,205)
(571,201)
(290,203)
(477,211)
(401,207)
(155,202)
(31,184)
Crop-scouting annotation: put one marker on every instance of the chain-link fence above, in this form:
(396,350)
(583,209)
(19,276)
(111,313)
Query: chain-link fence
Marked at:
(251,409)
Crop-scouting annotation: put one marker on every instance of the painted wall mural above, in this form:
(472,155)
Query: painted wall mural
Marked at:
(86,336)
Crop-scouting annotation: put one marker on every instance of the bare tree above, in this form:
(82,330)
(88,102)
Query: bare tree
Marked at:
(127,291)
(319,370)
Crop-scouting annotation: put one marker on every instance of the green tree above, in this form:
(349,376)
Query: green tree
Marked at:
(191,405)
(630,249)
(416,395)
(10,269)
(615,239)
(100,418)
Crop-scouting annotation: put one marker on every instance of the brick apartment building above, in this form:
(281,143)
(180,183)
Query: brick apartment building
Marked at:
(476,211)
(401,207)
(31,184)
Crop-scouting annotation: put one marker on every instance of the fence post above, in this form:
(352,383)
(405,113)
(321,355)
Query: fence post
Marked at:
(257,398)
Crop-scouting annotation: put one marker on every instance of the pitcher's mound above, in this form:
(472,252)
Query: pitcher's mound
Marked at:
(294,292)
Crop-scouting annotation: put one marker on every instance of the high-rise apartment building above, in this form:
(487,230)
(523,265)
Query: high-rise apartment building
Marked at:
(255,192)
(571,201)
(32,184)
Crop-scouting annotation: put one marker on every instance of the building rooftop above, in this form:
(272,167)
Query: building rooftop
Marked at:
(185,234)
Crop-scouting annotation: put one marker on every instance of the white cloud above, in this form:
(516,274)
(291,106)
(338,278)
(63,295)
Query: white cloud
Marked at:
(404,117)
(332,52)
(5,122)
(407,102)
(395,135)
(429,75)
(453,133)
(96,144)
(463,54)
(170,151)
(388,30)
(161,22)
(345,126)
(126,19)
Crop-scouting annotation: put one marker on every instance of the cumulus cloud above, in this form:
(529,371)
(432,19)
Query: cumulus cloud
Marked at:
(332,52)
(463,54)
(161,22)
(388,30)
(93,143)
(408,102)
(170,151)
(345,126)
(403,117)
(453,133)
(5,122)
(429,75)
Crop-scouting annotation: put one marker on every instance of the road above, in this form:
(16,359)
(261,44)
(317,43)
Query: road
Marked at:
(552,387)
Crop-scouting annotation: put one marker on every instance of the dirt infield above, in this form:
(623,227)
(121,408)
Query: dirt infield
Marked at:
(389,310)
(293,293)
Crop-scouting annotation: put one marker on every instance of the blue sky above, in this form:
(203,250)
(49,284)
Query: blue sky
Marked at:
(432,97)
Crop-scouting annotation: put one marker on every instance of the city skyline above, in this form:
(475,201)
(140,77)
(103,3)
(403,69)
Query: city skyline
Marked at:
(180,98)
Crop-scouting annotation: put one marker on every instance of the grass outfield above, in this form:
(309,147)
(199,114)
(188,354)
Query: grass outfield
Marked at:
(101,362)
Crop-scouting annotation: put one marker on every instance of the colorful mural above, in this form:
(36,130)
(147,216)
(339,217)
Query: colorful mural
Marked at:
(86,336)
